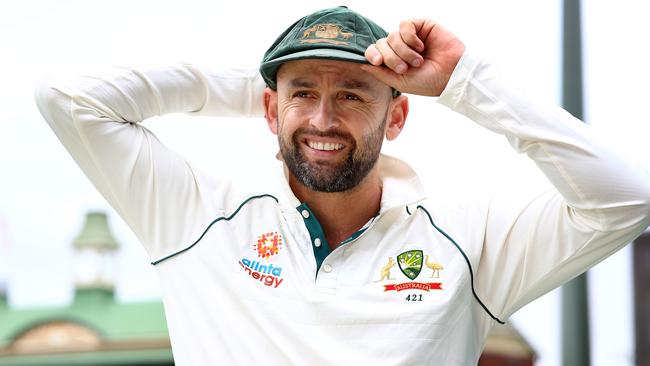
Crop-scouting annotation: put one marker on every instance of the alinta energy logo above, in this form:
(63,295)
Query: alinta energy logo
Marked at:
(410,264)
(267,273)
(268,244)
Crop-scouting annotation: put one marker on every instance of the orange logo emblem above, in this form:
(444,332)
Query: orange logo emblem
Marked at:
(268,244)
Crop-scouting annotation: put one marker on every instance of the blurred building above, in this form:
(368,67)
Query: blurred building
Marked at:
(95,330)
(507,347)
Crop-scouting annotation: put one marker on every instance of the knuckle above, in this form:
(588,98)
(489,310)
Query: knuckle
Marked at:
(389,59)
(393,62)
(411,37)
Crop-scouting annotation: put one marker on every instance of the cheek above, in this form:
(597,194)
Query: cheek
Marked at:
(364,120)
(291,111)
(290,118)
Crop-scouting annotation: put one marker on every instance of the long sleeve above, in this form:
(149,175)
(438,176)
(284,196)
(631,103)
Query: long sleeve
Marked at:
(150,186)
(600,203)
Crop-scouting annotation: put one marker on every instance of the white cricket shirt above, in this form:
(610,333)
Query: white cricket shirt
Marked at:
(249,279)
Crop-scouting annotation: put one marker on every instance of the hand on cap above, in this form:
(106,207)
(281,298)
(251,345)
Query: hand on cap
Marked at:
(417,59)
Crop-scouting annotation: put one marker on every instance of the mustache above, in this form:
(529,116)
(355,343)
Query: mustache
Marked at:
(332,133)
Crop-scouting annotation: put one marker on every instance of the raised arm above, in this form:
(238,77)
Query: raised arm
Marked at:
(150,186)
(601,200)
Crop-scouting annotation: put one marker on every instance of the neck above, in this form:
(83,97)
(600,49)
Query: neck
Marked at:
(341,214)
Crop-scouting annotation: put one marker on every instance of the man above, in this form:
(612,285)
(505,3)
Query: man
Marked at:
(350,263)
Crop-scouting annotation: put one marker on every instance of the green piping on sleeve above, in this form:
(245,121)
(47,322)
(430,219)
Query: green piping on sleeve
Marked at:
(225,218)
(471,272)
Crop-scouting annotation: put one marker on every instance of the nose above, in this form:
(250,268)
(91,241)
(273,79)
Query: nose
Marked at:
(324,115)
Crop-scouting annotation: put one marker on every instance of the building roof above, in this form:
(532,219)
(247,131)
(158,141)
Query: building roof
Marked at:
(92,325)
(94,329)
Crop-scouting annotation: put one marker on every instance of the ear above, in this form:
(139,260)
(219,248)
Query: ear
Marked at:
(271,109)
(398,110)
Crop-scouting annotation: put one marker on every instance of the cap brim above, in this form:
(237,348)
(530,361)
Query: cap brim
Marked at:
(320,53)
(270,68)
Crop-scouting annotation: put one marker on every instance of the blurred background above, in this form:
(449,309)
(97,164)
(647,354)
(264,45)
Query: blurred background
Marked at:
(69,279)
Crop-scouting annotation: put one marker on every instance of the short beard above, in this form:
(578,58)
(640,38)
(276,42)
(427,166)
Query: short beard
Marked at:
(342,177)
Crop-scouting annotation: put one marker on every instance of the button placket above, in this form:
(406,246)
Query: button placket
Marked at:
(327,278)
(316,235)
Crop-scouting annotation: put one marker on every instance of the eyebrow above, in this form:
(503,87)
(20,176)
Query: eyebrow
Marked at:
(301,83)
(354,84)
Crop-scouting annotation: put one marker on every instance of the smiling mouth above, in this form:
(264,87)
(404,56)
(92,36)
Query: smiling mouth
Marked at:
(325,146)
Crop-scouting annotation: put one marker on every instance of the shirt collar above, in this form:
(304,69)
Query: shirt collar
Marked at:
(400,185)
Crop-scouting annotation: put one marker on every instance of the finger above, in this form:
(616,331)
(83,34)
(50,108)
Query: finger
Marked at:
(383,74)
(408,30)
(391,59)
(403,50)
(373,56)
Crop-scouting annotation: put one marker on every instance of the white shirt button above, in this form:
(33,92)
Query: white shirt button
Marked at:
(327,268)
(317,242)
(305,214)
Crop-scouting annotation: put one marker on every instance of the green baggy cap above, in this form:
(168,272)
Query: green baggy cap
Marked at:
(335,34)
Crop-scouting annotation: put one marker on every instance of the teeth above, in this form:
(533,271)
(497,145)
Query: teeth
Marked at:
(327,146)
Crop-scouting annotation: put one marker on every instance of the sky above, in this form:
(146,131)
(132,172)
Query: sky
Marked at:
(44,196)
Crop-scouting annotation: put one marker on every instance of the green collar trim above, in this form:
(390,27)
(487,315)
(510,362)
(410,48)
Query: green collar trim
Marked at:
(358,233)
(354,235)
(318,241)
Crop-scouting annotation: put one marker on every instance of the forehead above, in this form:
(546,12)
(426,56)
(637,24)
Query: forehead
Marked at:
(316,71)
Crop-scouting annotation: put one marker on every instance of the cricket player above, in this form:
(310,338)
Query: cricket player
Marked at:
(347,261)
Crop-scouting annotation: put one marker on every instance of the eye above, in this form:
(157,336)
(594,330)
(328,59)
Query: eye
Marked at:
(352,97)
(302,94)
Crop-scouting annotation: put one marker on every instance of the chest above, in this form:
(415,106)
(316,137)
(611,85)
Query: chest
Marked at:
(401,284)
(400,261)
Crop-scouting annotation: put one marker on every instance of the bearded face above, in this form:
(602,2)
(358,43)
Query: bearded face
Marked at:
(332,175)
(331,118)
